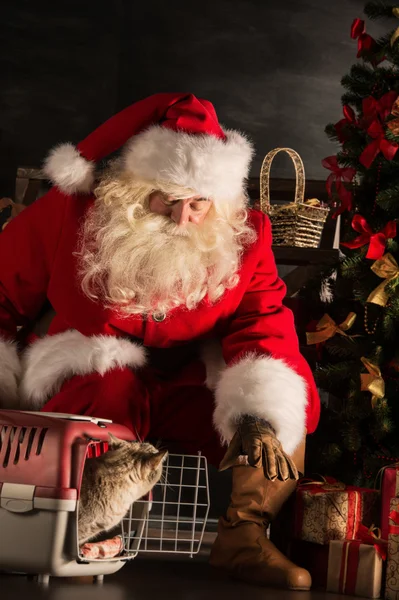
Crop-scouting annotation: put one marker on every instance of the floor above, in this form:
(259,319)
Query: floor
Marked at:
(148,579)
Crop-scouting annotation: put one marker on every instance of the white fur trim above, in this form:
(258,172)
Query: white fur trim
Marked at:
(213,168)
(69,170)
(10,372)
(267,388)
(49,361)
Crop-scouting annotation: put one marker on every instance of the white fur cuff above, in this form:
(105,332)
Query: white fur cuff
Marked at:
(53,359)
(10,372)
(267,388)
(68,170)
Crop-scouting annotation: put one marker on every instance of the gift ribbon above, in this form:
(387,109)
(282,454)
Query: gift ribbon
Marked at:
(394,516)
(372,537)
(354,498)
(372,381)
(382,108)
(388,269)
(376,241)
(326,328)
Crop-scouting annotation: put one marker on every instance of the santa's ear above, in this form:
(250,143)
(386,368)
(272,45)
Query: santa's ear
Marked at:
(114,442)
(154,460)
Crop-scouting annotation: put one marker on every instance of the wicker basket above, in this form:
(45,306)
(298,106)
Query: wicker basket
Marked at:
(299,223)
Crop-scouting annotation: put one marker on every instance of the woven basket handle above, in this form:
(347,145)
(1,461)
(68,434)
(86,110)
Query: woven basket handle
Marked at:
(265,177)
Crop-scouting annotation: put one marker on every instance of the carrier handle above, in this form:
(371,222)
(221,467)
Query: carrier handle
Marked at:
(265,177)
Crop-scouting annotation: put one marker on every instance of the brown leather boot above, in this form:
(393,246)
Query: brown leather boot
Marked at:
(241,546)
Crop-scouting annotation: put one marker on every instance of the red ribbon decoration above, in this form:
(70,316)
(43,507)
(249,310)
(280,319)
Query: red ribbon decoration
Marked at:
(365,536)
(349,119)
(338,176)
(380,144)
(377,240)
(394,516)
(373,108)
(365,43)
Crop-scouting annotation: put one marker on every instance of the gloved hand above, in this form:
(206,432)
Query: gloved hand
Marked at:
(257,440)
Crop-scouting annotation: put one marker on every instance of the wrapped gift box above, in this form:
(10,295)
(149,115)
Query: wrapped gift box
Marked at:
(354,569)
(313,558)
(332,511)
(389,490)
(392,578)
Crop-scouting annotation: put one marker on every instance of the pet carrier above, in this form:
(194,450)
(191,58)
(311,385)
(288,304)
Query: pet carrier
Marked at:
(42,456)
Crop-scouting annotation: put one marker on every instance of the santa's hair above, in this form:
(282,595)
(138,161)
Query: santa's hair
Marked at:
(130,259)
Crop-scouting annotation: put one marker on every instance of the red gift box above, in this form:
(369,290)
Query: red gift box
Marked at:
(330,510)
(389,490)
(355,569)
(392,578)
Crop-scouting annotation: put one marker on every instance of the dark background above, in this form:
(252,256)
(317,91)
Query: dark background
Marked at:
(271,67)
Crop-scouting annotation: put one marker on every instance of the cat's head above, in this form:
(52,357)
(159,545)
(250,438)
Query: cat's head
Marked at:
(140,462)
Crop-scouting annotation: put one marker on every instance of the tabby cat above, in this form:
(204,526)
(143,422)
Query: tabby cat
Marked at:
(113,481)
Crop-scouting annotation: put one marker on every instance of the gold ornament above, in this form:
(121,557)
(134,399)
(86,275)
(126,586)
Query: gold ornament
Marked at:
(387,268)
(395,12)
(326,328)
(372,381)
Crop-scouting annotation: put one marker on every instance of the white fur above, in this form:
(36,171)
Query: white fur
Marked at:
(51,360)
(69,170)
(10,372)
(212,167)
(267,388)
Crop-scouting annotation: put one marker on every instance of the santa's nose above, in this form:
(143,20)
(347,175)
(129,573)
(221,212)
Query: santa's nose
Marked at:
(181,212)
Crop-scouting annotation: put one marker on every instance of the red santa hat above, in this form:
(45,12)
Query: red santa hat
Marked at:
(166,138)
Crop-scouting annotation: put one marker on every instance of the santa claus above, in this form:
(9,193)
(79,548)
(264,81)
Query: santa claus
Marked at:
(166,312)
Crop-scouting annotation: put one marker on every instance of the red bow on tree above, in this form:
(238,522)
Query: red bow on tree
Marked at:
(380,144)
(377,241)
(338,176)
(365,43)
(349,119)
(373,108)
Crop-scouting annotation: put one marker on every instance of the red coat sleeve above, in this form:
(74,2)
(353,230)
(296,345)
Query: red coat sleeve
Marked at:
(28,247)
(266,374)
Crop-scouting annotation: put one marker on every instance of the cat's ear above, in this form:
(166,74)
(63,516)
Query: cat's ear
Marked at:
(114,442)
(154,460)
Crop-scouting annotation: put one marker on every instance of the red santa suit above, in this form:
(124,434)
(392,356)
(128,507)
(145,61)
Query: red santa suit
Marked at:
(164,376)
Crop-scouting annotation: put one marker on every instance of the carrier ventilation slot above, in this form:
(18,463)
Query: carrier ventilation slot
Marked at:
(18,443)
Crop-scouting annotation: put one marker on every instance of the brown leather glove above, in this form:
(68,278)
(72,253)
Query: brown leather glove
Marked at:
(257,440)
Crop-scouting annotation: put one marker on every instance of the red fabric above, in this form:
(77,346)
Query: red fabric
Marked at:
(350,567)
(394,516)
(41,265)
(182,112)
(388,491)
(177,412)
(376,241)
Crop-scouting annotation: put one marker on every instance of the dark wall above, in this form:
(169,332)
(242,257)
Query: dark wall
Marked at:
(271,67)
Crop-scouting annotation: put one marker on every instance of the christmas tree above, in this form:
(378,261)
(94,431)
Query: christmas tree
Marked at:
(356,328)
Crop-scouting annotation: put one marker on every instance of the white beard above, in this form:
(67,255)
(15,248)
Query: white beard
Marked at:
(141,263)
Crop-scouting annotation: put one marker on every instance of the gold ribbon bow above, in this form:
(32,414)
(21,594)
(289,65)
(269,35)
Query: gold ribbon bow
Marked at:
(372,381)
(388,269)
(395,12)
(326,328)
(313,202)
